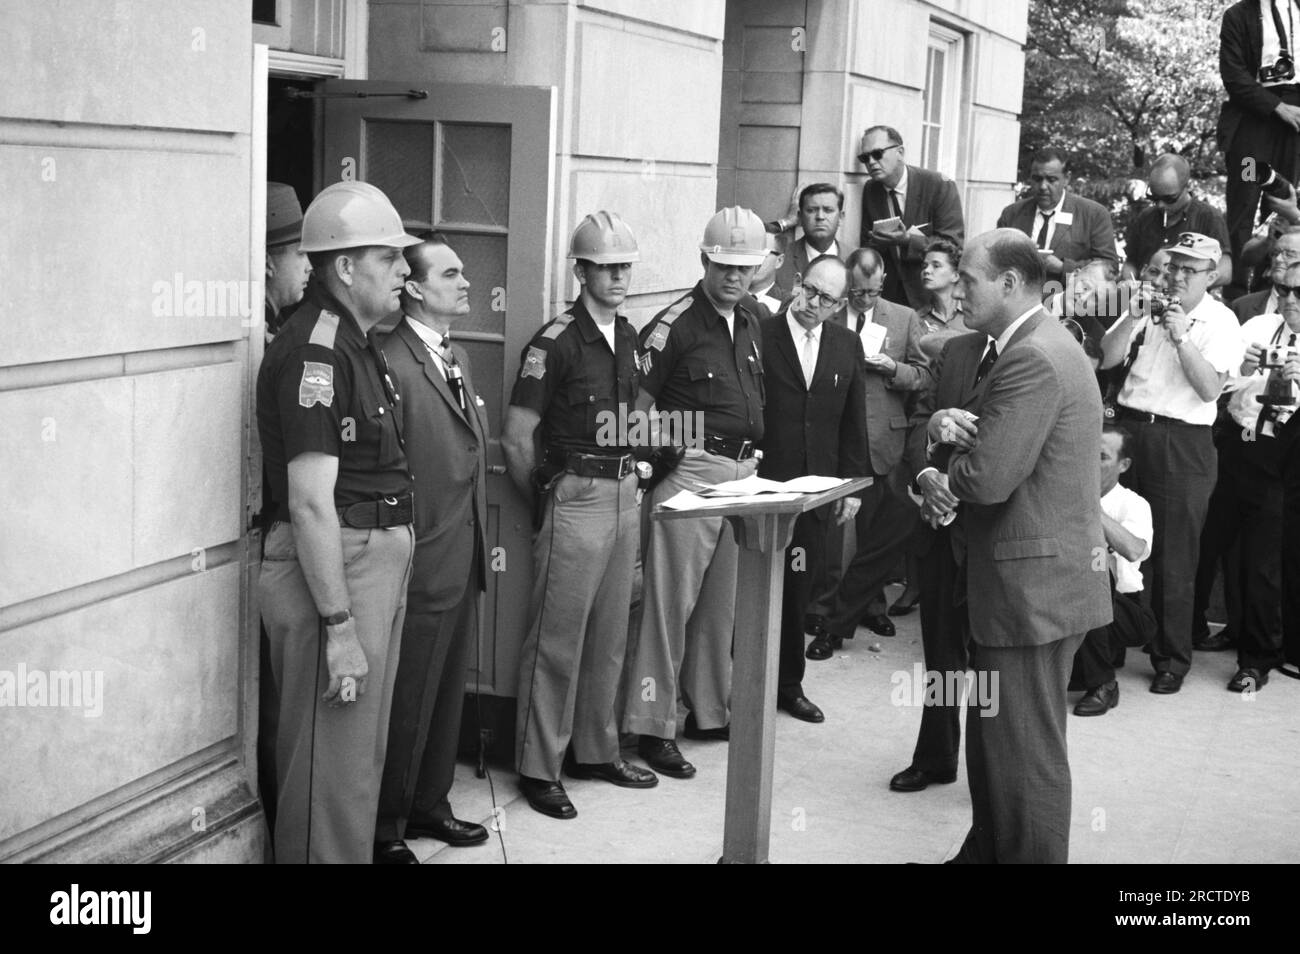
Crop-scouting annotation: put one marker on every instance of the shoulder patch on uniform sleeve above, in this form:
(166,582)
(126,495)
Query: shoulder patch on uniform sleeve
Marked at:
(659,336)
(317,384)
(326,327)
(557,326)
(534,364)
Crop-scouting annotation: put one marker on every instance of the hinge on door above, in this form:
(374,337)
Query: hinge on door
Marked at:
(291,93)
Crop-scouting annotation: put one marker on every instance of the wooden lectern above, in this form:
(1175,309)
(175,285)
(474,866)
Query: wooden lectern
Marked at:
(763,530)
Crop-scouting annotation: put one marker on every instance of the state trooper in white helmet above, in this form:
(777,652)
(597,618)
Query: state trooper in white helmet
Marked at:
(336,559)
(701,361)
(578,378)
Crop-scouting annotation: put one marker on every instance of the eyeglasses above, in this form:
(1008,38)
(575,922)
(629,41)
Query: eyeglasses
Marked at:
(875,155)
(817,298)
(1186,271)
(1165,199)
(1284,290)
(1287,255)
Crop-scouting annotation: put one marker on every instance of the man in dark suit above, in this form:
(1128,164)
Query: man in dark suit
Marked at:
(446,437)
(814,423)
(925,202)
(821,209)
(1260,120)
(895,368)
(958,373)
(1068,229)
(1026,476)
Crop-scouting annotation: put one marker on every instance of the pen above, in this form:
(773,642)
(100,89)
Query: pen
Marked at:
(837,380)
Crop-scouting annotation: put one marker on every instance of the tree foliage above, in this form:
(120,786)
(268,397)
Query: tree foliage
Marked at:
(1117,82)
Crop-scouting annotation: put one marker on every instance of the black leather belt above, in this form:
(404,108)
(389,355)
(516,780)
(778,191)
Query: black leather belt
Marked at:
(734,447)
(384,512)
(594,465)
(1123,413)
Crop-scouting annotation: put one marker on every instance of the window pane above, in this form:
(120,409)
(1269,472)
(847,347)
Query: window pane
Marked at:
(264,12)
(475,175)
(399,160)
(936,82)
(484,257)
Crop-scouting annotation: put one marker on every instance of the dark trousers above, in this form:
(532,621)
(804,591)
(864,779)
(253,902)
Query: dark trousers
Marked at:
(882,525)
(1291,542)
(1258,139)
(1016,759)
(1174,468)
(804,562)
(945,642)
(1102,650)
(424,728)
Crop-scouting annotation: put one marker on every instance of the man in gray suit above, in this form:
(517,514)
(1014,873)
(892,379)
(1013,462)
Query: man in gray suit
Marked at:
(821,209)
(446,438)
(1037,580)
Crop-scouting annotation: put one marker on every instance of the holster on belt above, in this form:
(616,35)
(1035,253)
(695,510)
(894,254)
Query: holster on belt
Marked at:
(543,479)
(663,461)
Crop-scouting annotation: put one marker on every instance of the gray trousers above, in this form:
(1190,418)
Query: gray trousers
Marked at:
(1016,760)
(329,761)
(570,661)
(688,615)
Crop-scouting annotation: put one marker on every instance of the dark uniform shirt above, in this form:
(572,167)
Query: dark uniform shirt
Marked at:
(324,387)
(582,393)
(1149,233)
(690,363)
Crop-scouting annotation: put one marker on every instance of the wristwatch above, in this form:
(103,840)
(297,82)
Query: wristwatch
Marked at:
(335,619)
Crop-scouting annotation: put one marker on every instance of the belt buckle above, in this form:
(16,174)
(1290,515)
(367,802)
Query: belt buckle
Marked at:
(746,450)
(624,466)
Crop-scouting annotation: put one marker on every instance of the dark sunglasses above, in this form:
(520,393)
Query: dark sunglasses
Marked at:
(875,155)
(1284,290)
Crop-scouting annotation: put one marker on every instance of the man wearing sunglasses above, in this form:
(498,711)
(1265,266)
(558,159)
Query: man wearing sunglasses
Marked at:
(1171,369)
(1172,212)
(903,207)
(815,423)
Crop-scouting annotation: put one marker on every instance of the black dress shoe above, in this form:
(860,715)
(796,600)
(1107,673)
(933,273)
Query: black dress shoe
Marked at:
(1220,641)
(800,708)
(913,779)
(547,797)
(394,853)
(824,646)
(664,757)
(905,603)
(451,830)
(693,731)
(1099,701)
(1248,680)
(814,624)
(1166,683)
(879,624)
(621,773)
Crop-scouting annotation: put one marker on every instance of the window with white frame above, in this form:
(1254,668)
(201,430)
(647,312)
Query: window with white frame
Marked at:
(939,99)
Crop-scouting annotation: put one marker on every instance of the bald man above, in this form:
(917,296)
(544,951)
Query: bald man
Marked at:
(1172,212)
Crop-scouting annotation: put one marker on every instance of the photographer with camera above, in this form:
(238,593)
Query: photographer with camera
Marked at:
(1263,399)
(1261,118)
(1174,349)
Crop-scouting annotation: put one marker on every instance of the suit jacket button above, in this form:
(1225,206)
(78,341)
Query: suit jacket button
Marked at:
(381,410)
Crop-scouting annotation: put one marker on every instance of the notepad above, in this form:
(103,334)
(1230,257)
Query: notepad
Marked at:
(873,338)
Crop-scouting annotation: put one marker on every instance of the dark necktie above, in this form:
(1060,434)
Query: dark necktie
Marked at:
(454,378)
(1047,227)
(893,201)
(862,320)
(987,362)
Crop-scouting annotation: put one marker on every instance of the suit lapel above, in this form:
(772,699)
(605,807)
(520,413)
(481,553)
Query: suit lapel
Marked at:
(785,347)
(432,373)
(912,201)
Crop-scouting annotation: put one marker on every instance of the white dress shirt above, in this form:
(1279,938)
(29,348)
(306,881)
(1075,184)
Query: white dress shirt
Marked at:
(432,340)
(1272,43)
(799,333)
(1052,217)
(1156,382)
(1263,329)
(810,253)
(1133,513)
(1004,339)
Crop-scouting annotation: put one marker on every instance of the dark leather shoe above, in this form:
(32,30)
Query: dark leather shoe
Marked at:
(1247,680)
(1166,683)
(664,757)
(621,773)
(1099,701)
(905,603)
(879,624)
(814,624)
(451,830)
(693,731)
(915,780)
(547,797)
(800,708)
(823,647)
(1220,641)
(394,853)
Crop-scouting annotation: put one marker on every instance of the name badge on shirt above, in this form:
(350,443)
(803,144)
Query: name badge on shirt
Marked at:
(1064,218)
